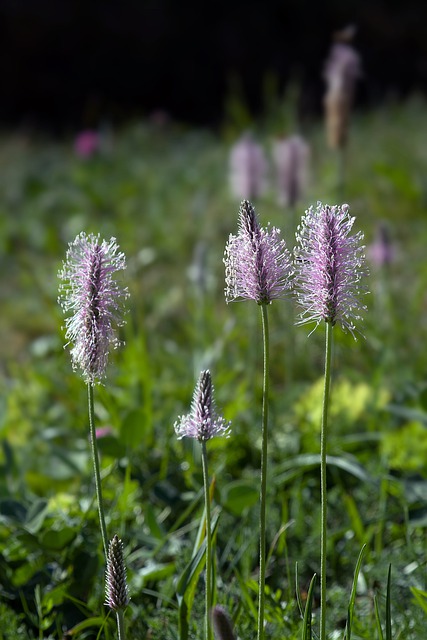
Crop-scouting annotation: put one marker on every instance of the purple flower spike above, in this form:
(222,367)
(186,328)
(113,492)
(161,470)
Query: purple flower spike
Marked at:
(330,264)
(95,300)
(203,421)
(257,263)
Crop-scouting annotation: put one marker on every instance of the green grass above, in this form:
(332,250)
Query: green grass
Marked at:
(163,193)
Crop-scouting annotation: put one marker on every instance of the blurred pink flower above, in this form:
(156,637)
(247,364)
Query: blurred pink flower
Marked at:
(341,71)
(248,168)
(102,432)
(381,252)
(342,68)
(87,143)
(291,157)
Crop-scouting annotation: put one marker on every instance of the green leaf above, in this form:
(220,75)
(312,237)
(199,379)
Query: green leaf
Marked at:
(154,572)
(240,496)
(12,511)
(186,586)
(245,594)
(306,628)
(305,462)
(151,521)
(350,611)
(97,621)
(420,597)
(36,515)
(134,429)
(378,619)
(299,601)
(355,519)
(57,539)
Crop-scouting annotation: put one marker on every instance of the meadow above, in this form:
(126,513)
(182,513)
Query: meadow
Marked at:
(163,191)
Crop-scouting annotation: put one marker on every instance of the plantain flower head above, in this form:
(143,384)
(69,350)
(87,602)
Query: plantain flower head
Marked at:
(203,421)
(329,267)
(116,588)
(94,299)
(257,263)
(222,624)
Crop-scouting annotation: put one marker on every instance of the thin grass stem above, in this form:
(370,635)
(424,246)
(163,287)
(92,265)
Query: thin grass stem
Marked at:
(323,487)
(263,490)
(95,458)
(208,594)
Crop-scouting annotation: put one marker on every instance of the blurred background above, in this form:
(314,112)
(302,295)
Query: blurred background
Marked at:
(72,63)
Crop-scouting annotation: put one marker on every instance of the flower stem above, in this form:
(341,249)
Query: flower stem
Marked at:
(208,596)
(120,625)
(263,490)
(97,474)
(323,488)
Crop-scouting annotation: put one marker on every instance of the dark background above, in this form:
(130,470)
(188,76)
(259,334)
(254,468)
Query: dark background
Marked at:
(70,63)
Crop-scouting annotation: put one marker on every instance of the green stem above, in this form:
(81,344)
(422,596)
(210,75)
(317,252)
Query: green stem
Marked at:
(120,625)
(208,596)
(263,490)
(323,488)
(97,474)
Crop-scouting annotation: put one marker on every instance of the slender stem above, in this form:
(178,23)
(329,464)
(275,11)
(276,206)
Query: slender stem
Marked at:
(208,596)
(120,624)
(323,488)
(263,490)
(97,474)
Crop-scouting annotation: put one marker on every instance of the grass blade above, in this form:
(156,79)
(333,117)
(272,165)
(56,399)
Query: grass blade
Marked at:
(306,628)
(378,620)
(350,611)
(299,601)
(186,586)
(388,606)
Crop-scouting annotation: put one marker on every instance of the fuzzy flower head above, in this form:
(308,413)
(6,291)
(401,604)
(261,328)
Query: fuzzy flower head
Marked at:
(257,263)
(203,421)
(329,265)
(94,300)
(222,624)
(116,588)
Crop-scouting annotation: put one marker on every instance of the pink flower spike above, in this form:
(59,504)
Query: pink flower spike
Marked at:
(257,263)
(95,301)
(329,267)
(203,421)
